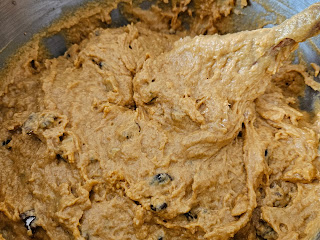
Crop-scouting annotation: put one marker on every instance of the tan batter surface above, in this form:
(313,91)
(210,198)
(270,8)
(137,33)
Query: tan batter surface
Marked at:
(140,134)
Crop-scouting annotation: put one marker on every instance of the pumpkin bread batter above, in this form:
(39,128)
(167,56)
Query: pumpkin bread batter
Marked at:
(139,134)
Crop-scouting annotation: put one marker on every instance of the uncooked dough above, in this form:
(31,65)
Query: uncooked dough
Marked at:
(138,134)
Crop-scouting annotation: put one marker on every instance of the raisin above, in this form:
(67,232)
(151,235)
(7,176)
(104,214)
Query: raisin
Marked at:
(160,238)
(161,178)
(266,152)
(190,216)
(240,134)
(137,203)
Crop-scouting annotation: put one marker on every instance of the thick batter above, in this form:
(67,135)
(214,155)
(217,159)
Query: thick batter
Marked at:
(139,134)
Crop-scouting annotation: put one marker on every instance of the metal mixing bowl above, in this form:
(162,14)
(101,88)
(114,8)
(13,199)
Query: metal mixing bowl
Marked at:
(20,19)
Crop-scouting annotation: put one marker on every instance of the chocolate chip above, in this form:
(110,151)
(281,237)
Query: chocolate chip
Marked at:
(61,138)
(130,47)
(153,208)
(33,65)
(160,238)
(163,206)
(190,216)
(266,152)
(158,208)
(6,142)
(59,158)
(137,203)
(161,178)
(240,134)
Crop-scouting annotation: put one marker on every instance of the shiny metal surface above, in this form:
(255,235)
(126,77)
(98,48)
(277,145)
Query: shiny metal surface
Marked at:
(20,19)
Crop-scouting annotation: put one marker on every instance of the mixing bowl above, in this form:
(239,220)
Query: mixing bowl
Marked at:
(21,19)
